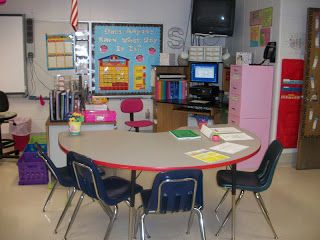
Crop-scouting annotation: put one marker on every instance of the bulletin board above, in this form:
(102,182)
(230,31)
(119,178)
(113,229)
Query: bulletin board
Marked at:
(123,55)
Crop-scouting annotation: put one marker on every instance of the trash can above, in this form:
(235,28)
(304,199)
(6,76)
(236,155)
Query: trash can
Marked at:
(20,129)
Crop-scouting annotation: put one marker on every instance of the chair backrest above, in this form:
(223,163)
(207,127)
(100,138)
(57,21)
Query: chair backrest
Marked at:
(59,173)
(88,177)
(4,103)
(176,191)
(268,164)
(131,105)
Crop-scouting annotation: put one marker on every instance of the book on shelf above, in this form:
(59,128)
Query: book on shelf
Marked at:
(62,103)
(170,90)
(184,134)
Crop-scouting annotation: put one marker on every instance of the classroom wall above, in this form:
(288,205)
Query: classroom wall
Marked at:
(288,28)
(52,17)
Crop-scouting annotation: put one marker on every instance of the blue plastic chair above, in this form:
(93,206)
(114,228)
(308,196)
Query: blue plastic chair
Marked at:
(109,191)
(64,176)
(256,182)
(173,191)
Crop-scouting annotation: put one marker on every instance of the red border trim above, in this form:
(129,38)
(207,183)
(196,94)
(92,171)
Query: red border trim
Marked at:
(154,169)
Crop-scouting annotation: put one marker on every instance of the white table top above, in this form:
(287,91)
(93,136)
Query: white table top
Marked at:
(148,151)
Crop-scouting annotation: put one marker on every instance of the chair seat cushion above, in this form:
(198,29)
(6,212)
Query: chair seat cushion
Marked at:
(139,123)
(65,177)
(118,189)
(244,180)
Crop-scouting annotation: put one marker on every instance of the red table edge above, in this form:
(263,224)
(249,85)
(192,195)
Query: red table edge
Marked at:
(153,169)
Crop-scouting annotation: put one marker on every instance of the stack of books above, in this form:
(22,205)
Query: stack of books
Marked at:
(170,86)
(62,103)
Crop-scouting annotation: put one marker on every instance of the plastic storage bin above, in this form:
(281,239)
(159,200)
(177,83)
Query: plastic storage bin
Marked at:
(32,169)
(40,139)
(100,116)
(32,148)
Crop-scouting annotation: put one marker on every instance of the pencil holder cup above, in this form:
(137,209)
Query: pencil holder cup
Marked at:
(74,128)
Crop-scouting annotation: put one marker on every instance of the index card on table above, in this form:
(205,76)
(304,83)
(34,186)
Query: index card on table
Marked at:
(228,147)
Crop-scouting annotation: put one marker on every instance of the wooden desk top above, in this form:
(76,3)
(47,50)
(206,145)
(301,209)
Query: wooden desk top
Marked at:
(148,151)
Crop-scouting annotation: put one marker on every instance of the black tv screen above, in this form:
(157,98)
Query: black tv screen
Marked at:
(213,17)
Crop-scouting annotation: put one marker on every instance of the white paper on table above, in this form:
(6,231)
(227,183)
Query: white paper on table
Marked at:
(235,136)
(228,147)
(206,131)
(225,130)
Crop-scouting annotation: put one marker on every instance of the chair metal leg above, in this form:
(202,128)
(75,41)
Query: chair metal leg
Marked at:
(142,230)
(222,199)
(107,209)
(110,225)
(263,204)
(65,209)
(75,212)
(201,224)
(190,221)
(137,221)
(265,213)
(50,195)
(229,213)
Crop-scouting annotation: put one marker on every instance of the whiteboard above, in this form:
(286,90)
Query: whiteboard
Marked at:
(12,54)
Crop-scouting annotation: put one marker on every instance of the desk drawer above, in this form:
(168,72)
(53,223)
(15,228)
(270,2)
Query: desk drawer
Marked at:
(236,73)
(233,119)
(235,87)
(234,105)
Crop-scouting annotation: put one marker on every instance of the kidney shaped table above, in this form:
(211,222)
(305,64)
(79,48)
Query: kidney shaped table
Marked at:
(151,152)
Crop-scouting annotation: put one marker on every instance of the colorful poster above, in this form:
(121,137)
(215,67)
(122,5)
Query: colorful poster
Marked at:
(255,18)
(254,36)
(267,17)
(60,52)
(123,56)
(264,36)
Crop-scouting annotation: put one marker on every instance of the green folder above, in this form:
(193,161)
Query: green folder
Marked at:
(184,134)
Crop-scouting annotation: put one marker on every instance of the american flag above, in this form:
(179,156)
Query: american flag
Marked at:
(74,14)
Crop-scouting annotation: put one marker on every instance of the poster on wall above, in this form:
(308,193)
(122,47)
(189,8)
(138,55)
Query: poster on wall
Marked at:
(123,55)
(260,27)
(60,51)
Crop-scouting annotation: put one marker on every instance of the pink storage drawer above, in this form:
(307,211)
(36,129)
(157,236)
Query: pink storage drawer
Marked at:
(100,116)
(235,105)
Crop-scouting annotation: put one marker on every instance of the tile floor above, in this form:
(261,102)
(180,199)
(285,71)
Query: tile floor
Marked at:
(292,201)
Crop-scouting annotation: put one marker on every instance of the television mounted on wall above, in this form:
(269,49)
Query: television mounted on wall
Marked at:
(213,17)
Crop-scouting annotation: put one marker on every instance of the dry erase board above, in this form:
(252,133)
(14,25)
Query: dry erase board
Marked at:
(12,57)
(123,56)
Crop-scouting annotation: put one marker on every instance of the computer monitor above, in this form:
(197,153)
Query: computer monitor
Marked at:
(204,72)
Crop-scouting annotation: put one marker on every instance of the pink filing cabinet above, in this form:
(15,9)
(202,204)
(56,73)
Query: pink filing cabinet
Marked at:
(250,104)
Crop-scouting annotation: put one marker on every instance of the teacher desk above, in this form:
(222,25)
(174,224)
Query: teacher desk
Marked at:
(151,152)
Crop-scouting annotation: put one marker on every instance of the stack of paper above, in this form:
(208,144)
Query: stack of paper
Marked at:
(182,134)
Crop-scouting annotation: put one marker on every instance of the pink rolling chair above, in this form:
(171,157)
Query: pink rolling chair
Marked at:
(134,105)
